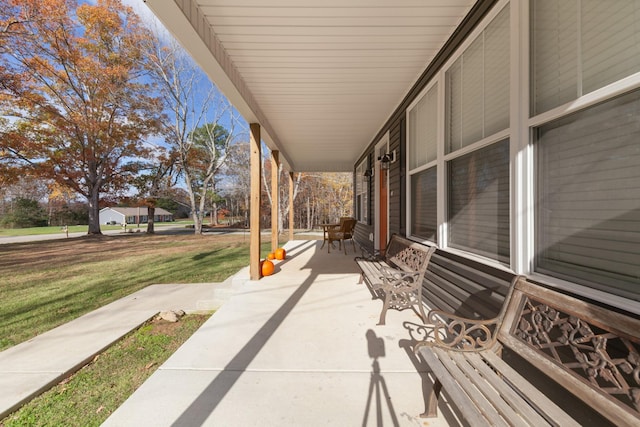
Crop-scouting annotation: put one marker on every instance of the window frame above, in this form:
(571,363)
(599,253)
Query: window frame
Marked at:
(361,209)
(433,85)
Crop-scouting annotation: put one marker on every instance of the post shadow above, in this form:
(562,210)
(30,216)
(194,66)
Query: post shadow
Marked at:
(375,346)
(212,395)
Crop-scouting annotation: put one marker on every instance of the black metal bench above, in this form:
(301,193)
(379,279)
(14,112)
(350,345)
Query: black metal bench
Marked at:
(398,277)
(591,351)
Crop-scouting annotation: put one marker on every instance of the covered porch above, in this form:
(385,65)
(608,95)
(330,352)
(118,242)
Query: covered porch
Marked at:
(300,347)
(316,82)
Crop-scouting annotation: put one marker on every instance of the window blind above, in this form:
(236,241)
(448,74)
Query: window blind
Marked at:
(479,202)
(424,219)
(423,121)
(477,87)
(588,197)
(581,46)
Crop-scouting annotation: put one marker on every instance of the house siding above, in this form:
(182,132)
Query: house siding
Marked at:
(518,217)
(396,125)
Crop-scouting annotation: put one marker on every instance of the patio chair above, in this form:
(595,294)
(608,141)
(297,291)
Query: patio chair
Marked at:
(342,233)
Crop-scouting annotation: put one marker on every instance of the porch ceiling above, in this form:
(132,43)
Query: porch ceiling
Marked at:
(320,77)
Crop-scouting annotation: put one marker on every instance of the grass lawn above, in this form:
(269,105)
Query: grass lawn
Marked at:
(47,283)
(92,394)
(30,231)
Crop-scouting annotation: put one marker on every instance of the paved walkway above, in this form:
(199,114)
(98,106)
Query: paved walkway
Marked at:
(299,348)
(33,366)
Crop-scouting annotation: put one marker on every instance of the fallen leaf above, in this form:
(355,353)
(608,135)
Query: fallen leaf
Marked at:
(149,365)
(99,409)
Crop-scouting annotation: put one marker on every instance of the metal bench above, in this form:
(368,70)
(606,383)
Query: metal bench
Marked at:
(397,278)
(591,351)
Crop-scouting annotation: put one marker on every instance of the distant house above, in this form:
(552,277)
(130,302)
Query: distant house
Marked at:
(120,215)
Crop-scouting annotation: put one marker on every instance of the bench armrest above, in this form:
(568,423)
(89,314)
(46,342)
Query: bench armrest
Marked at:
(460,333)
(394,280)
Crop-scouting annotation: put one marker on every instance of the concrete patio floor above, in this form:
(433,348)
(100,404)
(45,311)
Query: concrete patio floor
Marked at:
(298,348)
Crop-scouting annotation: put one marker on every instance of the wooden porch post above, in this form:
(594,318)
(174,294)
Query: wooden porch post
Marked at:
(254,220)
(275,199)
(290,205)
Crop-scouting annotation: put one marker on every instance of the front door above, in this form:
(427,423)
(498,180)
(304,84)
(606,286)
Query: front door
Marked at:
(381,196)
(383,208)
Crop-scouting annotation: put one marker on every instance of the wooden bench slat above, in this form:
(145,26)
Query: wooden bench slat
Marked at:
(457,394)
(506,392)
(533,395)
(592,352)
(498,393)
(470,388)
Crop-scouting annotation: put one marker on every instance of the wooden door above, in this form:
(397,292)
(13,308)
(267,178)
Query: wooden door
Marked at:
(382,209)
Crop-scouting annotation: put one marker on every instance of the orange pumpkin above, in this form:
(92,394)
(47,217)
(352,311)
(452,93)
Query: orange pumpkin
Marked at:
(271,256)
(266,267)
(281,253)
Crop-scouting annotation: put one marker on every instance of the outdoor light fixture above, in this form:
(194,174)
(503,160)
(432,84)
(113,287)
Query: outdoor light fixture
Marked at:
(387,159)
(368,173)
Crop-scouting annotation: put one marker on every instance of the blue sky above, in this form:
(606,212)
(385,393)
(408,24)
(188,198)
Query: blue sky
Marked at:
(150,19)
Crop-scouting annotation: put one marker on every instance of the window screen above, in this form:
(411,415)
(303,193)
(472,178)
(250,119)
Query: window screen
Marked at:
(588,197)
(424,220)
(581,46)
(479,202)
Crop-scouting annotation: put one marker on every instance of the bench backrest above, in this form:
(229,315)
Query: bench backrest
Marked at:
(408,255)
(465,287)
(591,351)
(361,236)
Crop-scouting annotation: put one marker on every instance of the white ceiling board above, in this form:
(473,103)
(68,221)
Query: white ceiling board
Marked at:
(322,77)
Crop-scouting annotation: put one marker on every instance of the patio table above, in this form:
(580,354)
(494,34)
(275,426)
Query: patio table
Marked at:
(325,231)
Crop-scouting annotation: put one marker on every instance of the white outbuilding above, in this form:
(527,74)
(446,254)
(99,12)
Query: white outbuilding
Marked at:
(136,215)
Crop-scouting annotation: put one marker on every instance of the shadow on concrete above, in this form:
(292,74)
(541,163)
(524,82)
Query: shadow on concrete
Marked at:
(377,384)
(417,333)
(212,395)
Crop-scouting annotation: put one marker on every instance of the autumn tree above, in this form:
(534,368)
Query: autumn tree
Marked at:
(324,197)
(283,188)
(156,178)
(81,111)
(200,160)
(237,180)
(24,212)
(194,130)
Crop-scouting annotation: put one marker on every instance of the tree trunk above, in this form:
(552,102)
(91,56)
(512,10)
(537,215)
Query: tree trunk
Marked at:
(151,213)
(214,214)
(94,212)
(197,222)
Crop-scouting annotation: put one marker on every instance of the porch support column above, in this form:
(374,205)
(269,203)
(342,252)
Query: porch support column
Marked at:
(254,208)
(290,205)
(275,199)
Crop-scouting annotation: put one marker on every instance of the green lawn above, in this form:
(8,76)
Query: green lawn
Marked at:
(45,284)
(97,390)
(76,229)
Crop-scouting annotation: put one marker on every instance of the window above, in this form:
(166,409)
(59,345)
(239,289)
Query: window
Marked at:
(478,87)
(580,46)
(424,220)
(479,202)
(477,108)
(423,121)
(588,197)
(423,125)
(362,191)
